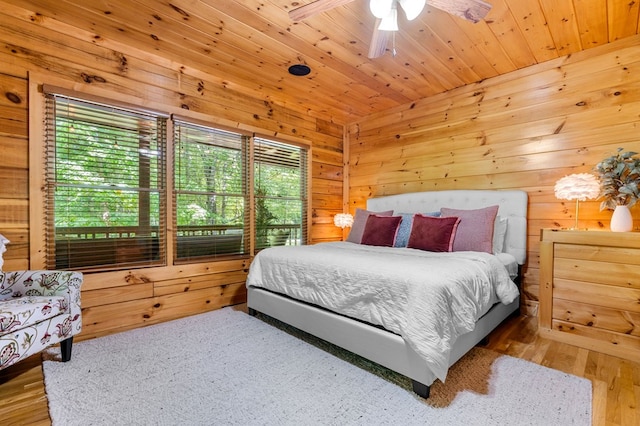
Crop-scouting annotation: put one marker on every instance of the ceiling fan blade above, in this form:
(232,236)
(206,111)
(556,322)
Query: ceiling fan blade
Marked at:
(314,8)
(471,10)
(379,41)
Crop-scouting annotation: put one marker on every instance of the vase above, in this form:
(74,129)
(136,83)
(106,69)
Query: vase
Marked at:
(621,220)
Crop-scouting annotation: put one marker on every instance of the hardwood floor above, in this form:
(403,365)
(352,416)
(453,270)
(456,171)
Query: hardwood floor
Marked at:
(616,382)
(22,397)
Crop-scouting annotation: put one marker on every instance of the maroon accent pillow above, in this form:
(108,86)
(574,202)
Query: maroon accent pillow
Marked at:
(360,221)
(381,230)
(433,233)
(475,232)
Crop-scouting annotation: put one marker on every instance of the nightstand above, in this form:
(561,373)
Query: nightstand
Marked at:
(590,290)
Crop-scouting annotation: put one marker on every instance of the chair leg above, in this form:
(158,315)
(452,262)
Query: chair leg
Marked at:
(65,349)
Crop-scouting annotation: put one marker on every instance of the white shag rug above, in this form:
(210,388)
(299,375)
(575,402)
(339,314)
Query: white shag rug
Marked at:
(228,368)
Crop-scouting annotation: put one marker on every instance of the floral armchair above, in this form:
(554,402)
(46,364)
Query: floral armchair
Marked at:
(38,309)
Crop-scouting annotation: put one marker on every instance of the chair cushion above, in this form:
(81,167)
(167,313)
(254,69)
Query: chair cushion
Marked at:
(26,311)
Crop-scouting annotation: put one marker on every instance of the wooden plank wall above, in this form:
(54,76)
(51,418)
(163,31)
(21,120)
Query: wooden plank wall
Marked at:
(523,130)
(63,55)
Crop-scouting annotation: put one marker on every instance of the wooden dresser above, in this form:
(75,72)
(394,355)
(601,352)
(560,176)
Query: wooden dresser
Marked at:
(590,290)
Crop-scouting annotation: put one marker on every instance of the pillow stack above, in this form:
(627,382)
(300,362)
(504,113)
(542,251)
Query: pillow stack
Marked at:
(448,230)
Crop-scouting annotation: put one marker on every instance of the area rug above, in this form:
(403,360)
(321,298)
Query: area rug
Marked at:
(228,368)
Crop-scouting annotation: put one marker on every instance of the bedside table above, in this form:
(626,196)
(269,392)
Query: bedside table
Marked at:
(590,290)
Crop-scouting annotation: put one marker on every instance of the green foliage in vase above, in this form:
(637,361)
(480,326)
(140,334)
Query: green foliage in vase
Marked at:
(619,178)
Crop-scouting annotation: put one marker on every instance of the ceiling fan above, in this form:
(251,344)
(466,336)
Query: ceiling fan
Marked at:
(386,13)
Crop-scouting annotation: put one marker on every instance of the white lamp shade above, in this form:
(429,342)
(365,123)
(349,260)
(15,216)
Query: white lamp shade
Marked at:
(412,8)
(580,186)
(390,22)
(380,8)
(343,220)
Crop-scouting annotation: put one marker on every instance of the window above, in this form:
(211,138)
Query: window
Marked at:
(211,191)
(106,188)
(105,185)
(280,193)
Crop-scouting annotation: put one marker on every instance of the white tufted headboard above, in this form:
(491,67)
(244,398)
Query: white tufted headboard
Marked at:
(512,205)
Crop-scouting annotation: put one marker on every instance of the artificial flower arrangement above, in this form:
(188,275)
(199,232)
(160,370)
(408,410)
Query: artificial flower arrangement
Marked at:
(619,177)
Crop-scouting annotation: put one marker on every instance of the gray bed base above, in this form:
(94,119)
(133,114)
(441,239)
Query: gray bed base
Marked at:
(379,345)
(373,343)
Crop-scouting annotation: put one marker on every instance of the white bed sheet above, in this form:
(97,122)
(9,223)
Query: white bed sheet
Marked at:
(510,263)
(427,298)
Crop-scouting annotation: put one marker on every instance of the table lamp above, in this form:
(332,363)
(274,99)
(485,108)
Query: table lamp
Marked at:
(343,220)
(579,187)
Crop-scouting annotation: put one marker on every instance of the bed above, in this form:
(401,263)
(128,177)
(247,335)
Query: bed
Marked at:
(385,340)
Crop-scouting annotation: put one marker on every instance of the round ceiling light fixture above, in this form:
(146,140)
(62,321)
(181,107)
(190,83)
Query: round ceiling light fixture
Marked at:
(299,70)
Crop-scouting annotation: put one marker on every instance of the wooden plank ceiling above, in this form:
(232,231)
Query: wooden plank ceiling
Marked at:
(249,44)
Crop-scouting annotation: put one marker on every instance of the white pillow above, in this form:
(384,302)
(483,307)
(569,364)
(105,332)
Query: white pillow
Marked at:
(3,248)
(499,232)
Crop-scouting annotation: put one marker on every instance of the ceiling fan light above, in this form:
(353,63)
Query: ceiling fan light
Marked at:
(412,8)
(380,8)
(390,22)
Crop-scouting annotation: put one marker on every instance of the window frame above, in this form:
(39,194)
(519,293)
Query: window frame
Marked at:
(141,244)
(305,198)
(245,161)
(40,83)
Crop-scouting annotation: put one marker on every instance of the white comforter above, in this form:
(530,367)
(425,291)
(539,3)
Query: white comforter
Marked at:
(427,298)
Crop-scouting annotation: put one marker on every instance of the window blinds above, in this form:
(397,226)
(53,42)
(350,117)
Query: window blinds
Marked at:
(280,190)
(105,204)
(211,191)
